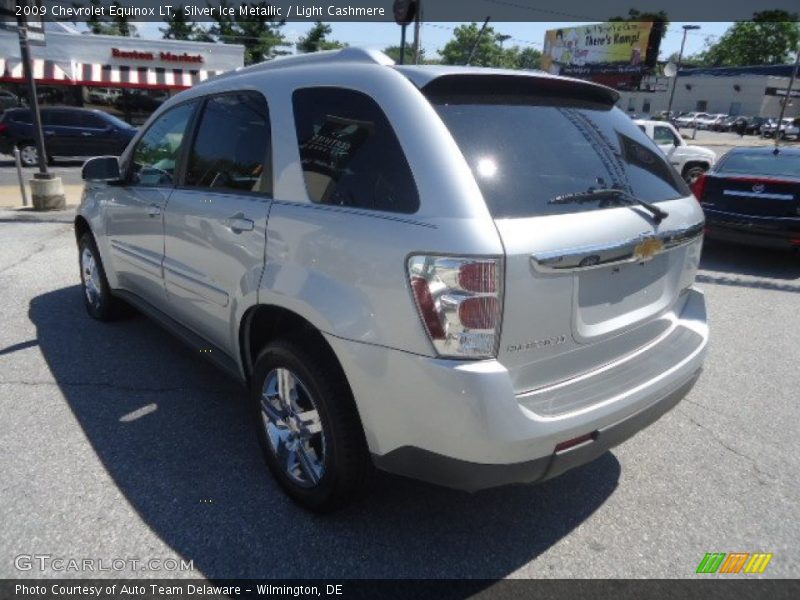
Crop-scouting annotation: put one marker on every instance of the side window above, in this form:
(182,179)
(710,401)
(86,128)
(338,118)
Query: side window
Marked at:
(663,135)
(349,152)
(92,121)
(231,149)
(156,154)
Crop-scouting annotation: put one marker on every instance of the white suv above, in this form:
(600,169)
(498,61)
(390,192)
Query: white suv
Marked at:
(690,161)
(470,276)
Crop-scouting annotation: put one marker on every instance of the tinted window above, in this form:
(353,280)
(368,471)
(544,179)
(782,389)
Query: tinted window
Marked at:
(156,154)
(663,135)
(21,116)
(230,150)
(92,121)
(525,150)
(61,118)
(349,153)
(743,163)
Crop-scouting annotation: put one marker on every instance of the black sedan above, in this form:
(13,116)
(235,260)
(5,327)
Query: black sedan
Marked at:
(68,132)
(752,196)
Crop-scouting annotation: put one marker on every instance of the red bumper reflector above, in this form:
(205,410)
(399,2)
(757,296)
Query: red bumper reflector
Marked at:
(574,441)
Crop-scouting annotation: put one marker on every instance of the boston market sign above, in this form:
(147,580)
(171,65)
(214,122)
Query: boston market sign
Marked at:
(152,56)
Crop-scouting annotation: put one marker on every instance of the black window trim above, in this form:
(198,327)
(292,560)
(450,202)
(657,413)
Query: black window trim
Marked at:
(267,162)
(355,209)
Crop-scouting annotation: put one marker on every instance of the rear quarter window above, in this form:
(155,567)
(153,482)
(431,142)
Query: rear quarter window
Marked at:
(349,152)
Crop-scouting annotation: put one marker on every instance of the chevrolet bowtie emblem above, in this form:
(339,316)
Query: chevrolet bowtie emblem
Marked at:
(648,248)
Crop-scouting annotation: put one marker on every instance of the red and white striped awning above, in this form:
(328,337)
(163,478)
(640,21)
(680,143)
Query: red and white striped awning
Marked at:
(44,71)
(139,77)
(49,72)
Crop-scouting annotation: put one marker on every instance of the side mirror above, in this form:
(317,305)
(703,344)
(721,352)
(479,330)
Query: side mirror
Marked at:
(102,168)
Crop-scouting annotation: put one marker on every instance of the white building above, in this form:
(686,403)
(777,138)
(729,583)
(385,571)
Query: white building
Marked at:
(126,75)
(749,91)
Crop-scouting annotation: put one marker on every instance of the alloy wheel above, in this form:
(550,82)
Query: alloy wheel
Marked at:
(293,427)
(91,277)
(29,156)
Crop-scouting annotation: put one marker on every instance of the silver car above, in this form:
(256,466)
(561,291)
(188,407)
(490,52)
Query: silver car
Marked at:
(469,276)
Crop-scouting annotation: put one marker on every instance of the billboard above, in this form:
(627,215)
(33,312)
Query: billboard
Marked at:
(602,49)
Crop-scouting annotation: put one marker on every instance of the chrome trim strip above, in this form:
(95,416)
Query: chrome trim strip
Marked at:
(766,195)
(639,249)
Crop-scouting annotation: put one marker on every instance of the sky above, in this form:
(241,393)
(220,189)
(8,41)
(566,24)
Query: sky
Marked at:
(436,35)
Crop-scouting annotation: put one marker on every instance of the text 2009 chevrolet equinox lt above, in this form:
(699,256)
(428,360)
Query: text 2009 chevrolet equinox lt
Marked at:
(469,276)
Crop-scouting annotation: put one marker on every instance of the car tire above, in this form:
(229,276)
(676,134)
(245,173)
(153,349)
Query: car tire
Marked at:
(308,426)
(693,173)
(97,297)
(28,155)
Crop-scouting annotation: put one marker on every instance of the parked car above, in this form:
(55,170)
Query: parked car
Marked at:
(752,196)
(140,101)
(68,132)
(727,123)
(754,125)
(397,275)
(689,161)
(104,95)
(708,121)
(788,128)
(8,100)
(689,119)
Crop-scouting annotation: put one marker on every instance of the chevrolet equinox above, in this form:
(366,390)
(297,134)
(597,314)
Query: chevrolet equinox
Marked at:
(474,277)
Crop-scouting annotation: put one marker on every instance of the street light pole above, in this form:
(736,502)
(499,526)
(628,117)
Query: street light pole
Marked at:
(686,29)
(788,95)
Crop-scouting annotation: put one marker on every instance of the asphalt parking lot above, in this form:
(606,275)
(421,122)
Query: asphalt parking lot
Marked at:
(120,443)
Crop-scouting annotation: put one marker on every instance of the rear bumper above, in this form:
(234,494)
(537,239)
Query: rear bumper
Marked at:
(769,232)
(450,472)
(460,424)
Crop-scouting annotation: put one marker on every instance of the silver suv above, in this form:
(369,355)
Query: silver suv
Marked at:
(469,276)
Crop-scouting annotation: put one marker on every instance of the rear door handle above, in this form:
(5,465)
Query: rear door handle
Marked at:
(154,210)
(86,133)
(238,223)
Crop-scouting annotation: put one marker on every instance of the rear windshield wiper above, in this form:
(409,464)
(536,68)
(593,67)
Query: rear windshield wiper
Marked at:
(593,194)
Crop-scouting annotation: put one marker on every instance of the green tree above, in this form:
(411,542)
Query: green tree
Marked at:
(489,51)
(769,39)
(119,25)
(393,52)
(317,39)
(261,35)
(528,58)
(180,28)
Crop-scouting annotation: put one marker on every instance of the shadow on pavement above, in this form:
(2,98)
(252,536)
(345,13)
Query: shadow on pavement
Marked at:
(736,265)
(177,440)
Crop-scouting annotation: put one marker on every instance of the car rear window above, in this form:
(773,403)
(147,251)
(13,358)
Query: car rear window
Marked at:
(769,165)
(528,148)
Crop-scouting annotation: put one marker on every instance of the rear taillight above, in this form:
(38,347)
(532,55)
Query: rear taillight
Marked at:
(699,187)
(460,303)
(3,128)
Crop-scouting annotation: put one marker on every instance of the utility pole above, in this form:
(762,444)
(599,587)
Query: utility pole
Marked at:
(788,95)
(33,100)
(47,191)
(686,29)
(477,41)
(418,32)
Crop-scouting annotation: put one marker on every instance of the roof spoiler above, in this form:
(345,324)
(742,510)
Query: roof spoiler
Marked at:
(472,84)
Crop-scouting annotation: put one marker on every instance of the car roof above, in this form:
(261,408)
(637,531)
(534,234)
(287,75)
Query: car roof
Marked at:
(782,150)
(419,75)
